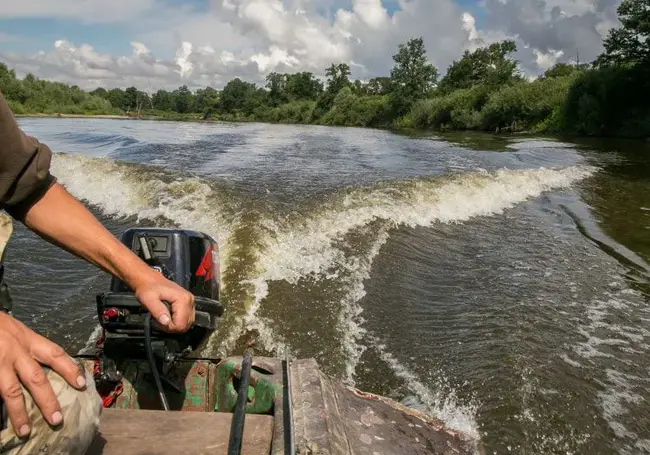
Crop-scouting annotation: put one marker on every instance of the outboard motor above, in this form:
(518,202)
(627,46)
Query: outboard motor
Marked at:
(189,258)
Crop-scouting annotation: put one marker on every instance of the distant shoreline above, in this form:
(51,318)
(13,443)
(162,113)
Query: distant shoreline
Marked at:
(170,118)
(408,130)
(100,116)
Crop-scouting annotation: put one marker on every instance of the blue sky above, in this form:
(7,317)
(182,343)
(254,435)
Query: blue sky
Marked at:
(169,42)
(104,37)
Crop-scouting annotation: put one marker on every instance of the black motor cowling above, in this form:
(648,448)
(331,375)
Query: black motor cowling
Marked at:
(189,258)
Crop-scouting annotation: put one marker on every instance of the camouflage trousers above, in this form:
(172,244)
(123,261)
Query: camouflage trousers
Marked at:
(81,412)
(81,409)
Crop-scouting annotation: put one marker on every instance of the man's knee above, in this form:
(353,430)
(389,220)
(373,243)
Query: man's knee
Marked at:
(81,411)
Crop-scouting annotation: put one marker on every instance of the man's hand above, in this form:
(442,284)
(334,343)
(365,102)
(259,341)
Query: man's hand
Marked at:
(21,350)
(152,294)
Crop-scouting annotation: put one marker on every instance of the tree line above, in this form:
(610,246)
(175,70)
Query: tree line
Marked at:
(483,90)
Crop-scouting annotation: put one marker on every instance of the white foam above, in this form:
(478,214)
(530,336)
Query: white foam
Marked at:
(125,190)
(615,399)
(92,340)
(350,322)
(621,396)
(270,340)
(444,406)
(293,250)
(129,190)
(307,247)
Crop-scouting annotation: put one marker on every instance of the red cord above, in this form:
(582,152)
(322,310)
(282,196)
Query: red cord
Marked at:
(111,396)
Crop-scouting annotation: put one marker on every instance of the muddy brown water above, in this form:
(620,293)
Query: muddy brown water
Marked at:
(501,283)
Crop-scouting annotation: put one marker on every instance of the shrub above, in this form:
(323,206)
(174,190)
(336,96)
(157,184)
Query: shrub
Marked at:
(526,104)
(292,112)
(458,109)
(352,110)
(16,107)
(610,101)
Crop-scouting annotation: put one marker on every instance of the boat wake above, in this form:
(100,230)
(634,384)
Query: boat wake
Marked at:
(296,279)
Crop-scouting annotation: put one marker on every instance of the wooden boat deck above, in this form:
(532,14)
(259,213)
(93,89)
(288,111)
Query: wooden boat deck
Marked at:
(326,417)
(140,432)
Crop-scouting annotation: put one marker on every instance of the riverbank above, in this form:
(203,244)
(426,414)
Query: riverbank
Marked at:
(98,116)
(178,118)
(453,135)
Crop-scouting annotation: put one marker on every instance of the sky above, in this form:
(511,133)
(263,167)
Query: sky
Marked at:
(154,44)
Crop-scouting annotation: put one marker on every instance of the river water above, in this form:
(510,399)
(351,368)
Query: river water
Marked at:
(500,283)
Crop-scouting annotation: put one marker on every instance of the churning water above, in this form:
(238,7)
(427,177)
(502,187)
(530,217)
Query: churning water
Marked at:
(501,284)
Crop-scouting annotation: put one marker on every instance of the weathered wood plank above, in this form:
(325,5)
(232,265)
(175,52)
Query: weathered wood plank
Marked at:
(338,420)
(142,432)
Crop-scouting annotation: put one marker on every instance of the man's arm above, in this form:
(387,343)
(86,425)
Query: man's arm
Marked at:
(61,219)
(30,194)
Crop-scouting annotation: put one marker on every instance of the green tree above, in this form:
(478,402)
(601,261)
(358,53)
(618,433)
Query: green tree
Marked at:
(358,88)
(183,100)
(77,96)
(303,86)
(629,44)
(131,98)
(7,77)
(100,92)
(379,86)
(31,95)
(352,110)
(276,83)
(491,65)
(283,88)
(412,76)
(240,97)
(11,87)
(135,100)
(559,70)
(6,73)
(338,77)
(207,101)
(564,70)
(162,100)
(117,99)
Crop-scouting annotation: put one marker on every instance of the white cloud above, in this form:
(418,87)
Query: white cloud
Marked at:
(183,59)
(250,38)
(88,68)
(371,12)
(570,8)
(273,59)
(543,27)
(469,25)
(86,10)
(547,60)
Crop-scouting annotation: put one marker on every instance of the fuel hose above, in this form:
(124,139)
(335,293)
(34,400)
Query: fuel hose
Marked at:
(152,361)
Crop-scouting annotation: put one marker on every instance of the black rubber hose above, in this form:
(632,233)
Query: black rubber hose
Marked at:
(287,412)
(152,361)
(239,416)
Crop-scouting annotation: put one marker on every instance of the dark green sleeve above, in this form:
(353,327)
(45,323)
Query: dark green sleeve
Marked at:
(24,166)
